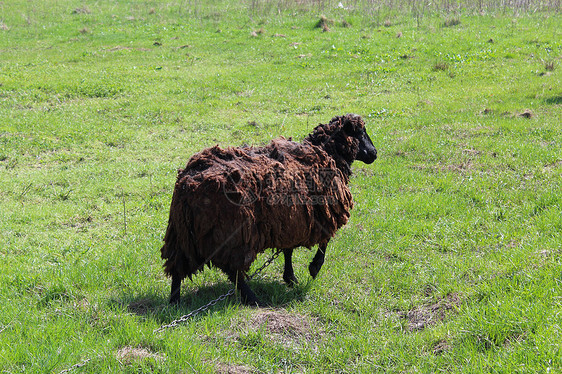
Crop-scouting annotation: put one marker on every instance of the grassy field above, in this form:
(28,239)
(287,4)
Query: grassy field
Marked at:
(451,261)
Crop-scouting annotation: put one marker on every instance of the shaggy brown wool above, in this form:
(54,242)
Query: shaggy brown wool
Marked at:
(231,204)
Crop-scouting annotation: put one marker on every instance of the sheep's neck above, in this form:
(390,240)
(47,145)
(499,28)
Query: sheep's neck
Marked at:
(342,165)
(342,162)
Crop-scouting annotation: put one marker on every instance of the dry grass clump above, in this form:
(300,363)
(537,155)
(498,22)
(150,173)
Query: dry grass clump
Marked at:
(324,23)
(281,322)
(441,347)
(256,33)
(280,326)
(440,66)
(430,314)
(451,22)
(127,355)
(82,10)
(526,114)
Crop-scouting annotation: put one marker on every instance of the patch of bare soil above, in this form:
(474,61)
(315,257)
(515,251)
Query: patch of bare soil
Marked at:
(126,355)
(430,314)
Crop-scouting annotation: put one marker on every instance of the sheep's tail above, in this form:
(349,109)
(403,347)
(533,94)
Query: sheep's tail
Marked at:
(178,249)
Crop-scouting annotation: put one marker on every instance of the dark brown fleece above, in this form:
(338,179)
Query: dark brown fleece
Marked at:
(231,204)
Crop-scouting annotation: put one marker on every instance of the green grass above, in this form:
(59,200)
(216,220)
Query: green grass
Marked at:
(450,262)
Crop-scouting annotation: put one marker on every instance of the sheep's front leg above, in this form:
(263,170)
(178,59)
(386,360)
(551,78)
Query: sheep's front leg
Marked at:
(288,273)
(318,260)
(246,294)
(176,288)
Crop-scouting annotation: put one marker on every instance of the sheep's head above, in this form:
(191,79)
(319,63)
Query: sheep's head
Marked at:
(354,128)
(345,139)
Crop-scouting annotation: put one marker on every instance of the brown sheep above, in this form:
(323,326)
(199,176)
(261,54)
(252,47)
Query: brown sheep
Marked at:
(231,204)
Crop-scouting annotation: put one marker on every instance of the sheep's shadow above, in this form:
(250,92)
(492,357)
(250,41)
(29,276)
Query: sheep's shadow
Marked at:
(154,305)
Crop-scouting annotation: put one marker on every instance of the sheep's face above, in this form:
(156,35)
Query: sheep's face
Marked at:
(367,151)
(356,128)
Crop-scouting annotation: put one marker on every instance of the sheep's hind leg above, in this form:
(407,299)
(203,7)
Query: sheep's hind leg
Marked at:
(176,288)
(288,273)
(246,294)
(318,260)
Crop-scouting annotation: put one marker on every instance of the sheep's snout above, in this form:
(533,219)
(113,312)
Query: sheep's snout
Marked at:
(367,151)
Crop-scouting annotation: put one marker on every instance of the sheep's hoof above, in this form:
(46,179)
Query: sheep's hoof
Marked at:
(291,280)
(174,301)
(255,303)
(249,298)
(175,298)
(314,269)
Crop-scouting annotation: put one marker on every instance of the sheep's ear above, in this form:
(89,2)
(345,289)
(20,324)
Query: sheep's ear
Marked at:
(348,125)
